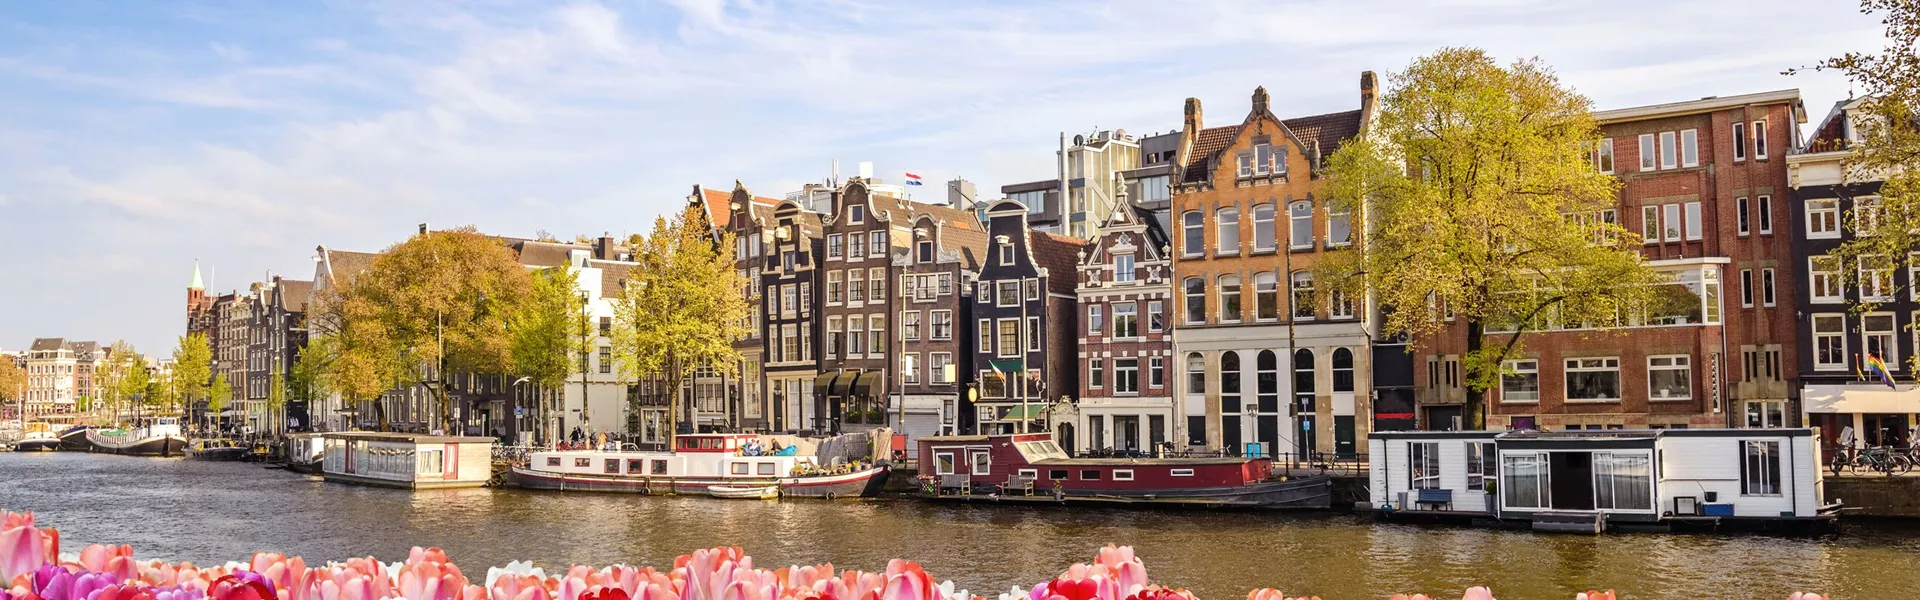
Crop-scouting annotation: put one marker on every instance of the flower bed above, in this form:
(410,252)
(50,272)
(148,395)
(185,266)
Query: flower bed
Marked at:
(31,568)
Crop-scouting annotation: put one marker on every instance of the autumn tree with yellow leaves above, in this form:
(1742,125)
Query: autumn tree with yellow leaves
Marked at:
(681,308)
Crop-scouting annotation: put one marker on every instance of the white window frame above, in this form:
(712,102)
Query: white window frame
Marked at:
(1226,224)
(1132,319)
(1123,270)
(1746,288)
(1603,155)
(1739,142)
(1763,483)
(1669,362)
(1669,150)
(910,368)
(1188,226)
(1263,225)
(1689,148)
(934,320)
(1875,288)
(1759,140)
(1670,222)
(1294,226)
(1423,465)
(1767,297)
(1741,217)
(1823,219)
(1695,225)
(1650,224)
(1096,373)
(1601,364)
(1096,319)
(1517,369)
(836,246)
(1339,216)
(1119,376)
(1891,334)
(1649,158)
(937,364)
(1824,285)
(1221,294)
(1837,335)
(1765,205)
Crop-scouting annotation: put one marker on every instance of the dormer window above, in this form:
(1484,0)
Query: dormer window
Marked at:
(1006,254)
(857,214)
(924,249)
(1123,268)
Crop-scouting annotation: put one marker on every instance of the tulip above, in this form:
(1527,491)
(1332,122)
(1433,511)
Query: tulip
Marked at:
(1594,595)
(23,547)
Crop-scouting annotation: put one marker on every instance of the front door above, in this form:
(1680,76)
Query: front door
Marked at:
(1571,477)
(1066,438)
(1269,433)
(1230,435)
(1343,436)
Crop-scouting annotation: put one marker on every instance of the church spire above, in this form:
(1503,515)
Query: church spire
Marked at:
(195,284)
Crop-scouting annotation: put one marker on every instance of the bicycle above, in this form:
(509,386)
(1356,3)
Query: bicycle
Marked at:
(1883,459)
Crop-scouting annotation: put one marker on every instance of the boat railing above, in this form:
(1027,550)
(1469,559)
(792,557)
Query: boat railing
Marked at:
(1319,463)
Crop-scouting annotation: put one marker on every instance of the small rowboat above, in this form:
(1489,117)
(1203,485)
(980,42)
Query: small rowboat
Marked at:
(767,492)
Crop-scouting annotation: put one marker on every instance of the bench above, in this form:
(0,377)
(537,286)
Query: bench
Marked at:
(1014,483)
(960,483)
(1434,498)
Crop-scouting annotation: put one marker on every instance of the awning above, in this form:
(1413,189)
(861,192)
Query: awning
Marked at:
(820,383)
(1863,398)
(1024,412)
(870,384)
(1007,365)
(834,383)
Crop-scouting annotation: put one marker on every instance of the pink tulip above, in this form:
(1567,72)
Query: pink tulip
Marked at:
(1594,595)
(1806,596)
(23,547)
(1477,593)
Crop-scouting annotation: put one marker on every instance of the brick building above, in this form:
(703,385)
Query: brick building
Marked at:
(936,316)
(855,303)
(1265,357)
(790,326)
(1704,182)
(743,215)
(1023,306)
(1126,303)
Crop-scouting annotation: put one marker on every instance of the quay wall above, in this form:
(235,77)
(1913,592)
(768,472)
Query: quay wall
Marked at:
(1876,496)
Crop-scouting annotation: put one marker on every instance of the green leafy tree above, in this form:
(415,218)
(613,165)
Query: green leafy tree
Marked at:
(218,396)
(134,379)
(681,308)
(160,393)
(308,377)
(192,369)
(547,336)
(276,398)
(1482,203)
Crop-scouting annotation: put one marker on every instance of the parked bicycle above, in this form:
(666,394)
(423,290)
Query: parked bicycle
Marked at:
(1884,459)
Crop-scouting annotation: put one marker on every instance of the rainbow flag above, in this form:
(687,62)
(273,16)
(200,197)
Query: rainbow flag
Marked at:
(1879,367)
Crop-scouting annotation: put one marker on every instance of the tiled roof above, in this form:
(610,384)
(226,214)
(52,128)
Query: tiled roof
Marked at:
(1206,149)
(347,264)
(716,202)
(294,294)
(49,343)
(611,274)
(1331,129)
(1059,254)
(546,254)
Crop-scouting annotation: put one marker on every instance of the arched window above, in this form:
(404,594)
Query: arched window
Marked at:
(1226,239)
(1266,296)
(1229,298)
(1342,370)
(1339,225)
(1230,401)
(1230,374)
(1196,373)
(1267,381)
(1300,218)
(1303,384)
(1196,291)
(1303,301)
(1193,235)
(1263,230)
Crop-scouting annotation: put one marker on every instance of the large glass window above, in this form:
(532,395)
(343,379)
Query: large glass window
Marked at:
(1126,376)
(1823,218)
(1760,468)
(1300,225)
(1523,481)
(1342,370)
(1876,277)
(1425,460)
(1009,337)
(1482,464)
(1622,481)
(1876,337)
(1266,296)
(1520,381)
(1229,298)
(1095,321)
(1226,238)
(1123,268)
(1669,377)
(1126,321)
(1829,342)
(1263,230)
(1593,379)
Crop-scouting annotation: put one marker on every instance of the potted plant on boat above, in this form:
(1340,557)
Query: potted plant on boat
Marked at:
(1493,497)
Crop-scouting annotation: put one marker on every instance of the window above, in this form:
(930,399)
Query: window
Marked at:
(1338,305)
(1266,296)
(582,462)
(923,250)
(1033,336)
(910,325)
(1300,225)
(1669,377)
(943,463)
(1263,230)
(1603,155)
(1196,374)
(942,325)
(1006,293)
(740,468)
(1739,142)
(1876,338)
(1196,296)
(877,243)
(1593,379)
(606,359)
(877,284)
(833,337)
(857,286)
(1823,218)
(1339,224)
(1303,305)
(1156,372)
(1230,298)
(1672,223)
(1740,215)
(1193,236)
(876,334)
(1155,321)
(1342,370)
(1089,475)
(1746,288)
(833,287)
(1033,288)
(1226,237)
(940,365)
(1759,140)
(1766,215)
(1829,342)
(1823,279)
(1244,161)
(856,246)
(1126,376)
(553,461)
(834,246)
(1694,225)
(1766,286)
(1482,465)
(1765,414)
(1520,381)
(1181,472)
(1095,323)
(1760,464)
(1650,224)
(1425,463)
(856,335)
(1668,155)
(1689,148)
(1622,481)
(1646,152)
(789,299)
(910,368)
(1123,474)
(1876,277)
(1006,254)
(1123,269)
(1126,322)
(1523,480)
(981,461)
(606,326)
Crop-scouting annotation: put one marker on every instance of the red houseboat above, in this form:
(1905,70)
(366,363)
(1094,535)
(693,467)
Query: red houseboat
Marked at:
(1030,467)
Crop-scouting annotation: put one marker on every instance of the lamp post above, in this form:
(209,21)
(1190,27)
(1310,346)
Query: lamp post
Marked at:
(519,421)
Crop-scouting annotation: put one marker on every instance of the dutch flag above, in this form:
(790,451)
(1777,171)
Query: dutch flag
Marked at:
(913,179)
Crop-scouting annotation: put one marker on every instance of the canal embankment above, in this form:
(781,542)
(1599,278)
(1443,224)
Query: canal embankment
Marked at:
(1876,495)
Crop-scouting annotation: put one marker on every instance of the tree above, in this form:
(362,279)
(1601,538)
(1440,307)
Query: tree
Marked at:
(547,340)
(436,303)
(276,398)
(160,393)
(681,308)
(1483,202)
(218,396)
(134,379)
(13,380)
(1887,151)
(307,380)
(192,368)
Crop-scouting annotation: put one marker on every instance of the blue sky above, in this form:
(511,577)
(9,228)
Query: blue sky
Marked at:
(136,137)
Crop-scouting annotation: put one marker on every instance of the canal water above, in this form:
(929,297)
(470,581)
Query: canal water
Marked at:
(209,512)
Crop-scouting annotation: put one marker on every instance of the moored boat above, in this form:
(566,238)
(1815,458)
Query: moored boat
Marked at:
(36,437)
(763,492)
(1031,468)
(161,437)
(303,452)
(74,439)
(697,464)
(218,450)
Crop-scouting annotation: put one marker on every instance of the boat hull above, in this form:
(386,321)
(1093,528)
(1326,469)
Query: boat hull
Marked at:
(860,484)
(1307,493)
(159,445)
(75,440)
(218,454)
(37,445)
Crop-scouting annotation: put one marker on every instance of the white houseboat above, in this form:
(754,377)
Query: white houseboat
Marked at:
(1590,481)
(697,465)
(407,460)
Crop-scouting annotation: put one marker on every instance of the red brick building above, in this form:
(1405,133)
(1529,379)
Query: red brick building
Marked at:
(1126,337)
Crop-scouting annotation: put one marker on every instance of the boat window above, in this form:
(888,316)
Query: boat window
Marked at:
(1057,474)
(660,467)
(1183,472)
(1090,475)
(943,463)
(766,468)
(553,461)
(1123,474)
(583,462)
(635,465)
(1030,473)
(613,466)
(982,464)
(739,468)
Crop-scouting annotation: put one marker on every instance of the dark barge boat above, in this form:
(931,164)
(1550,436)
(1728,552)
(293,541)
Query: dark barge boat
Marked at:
(1031,468)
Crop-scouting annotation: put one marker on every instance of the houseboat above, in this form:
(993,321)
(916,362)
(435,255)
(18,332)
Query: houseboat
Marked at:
(304,452)
(74,439)
(1592,481)
(159,437)
(36,437)
(1031,467)
(216,450)
(405,460)
(709,464)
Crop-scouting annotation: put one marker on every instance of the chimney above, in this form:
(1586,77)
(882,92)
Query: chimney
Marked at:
(1193,117)
(603,248)
(1189,133)
(1368,97)
(423,229)
(1260,100)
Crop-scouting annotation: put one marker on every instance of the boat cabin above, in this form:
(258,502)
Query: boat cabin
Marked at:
(967,461)
(407,460)
(1614,475)
(702,455)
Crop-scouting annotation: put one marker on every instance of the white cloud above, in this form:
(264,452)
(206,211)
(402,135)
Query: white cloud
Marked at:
(229,52)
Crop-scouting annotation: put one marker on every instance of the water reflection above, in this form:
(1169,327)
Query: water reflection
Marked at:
(181,510)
